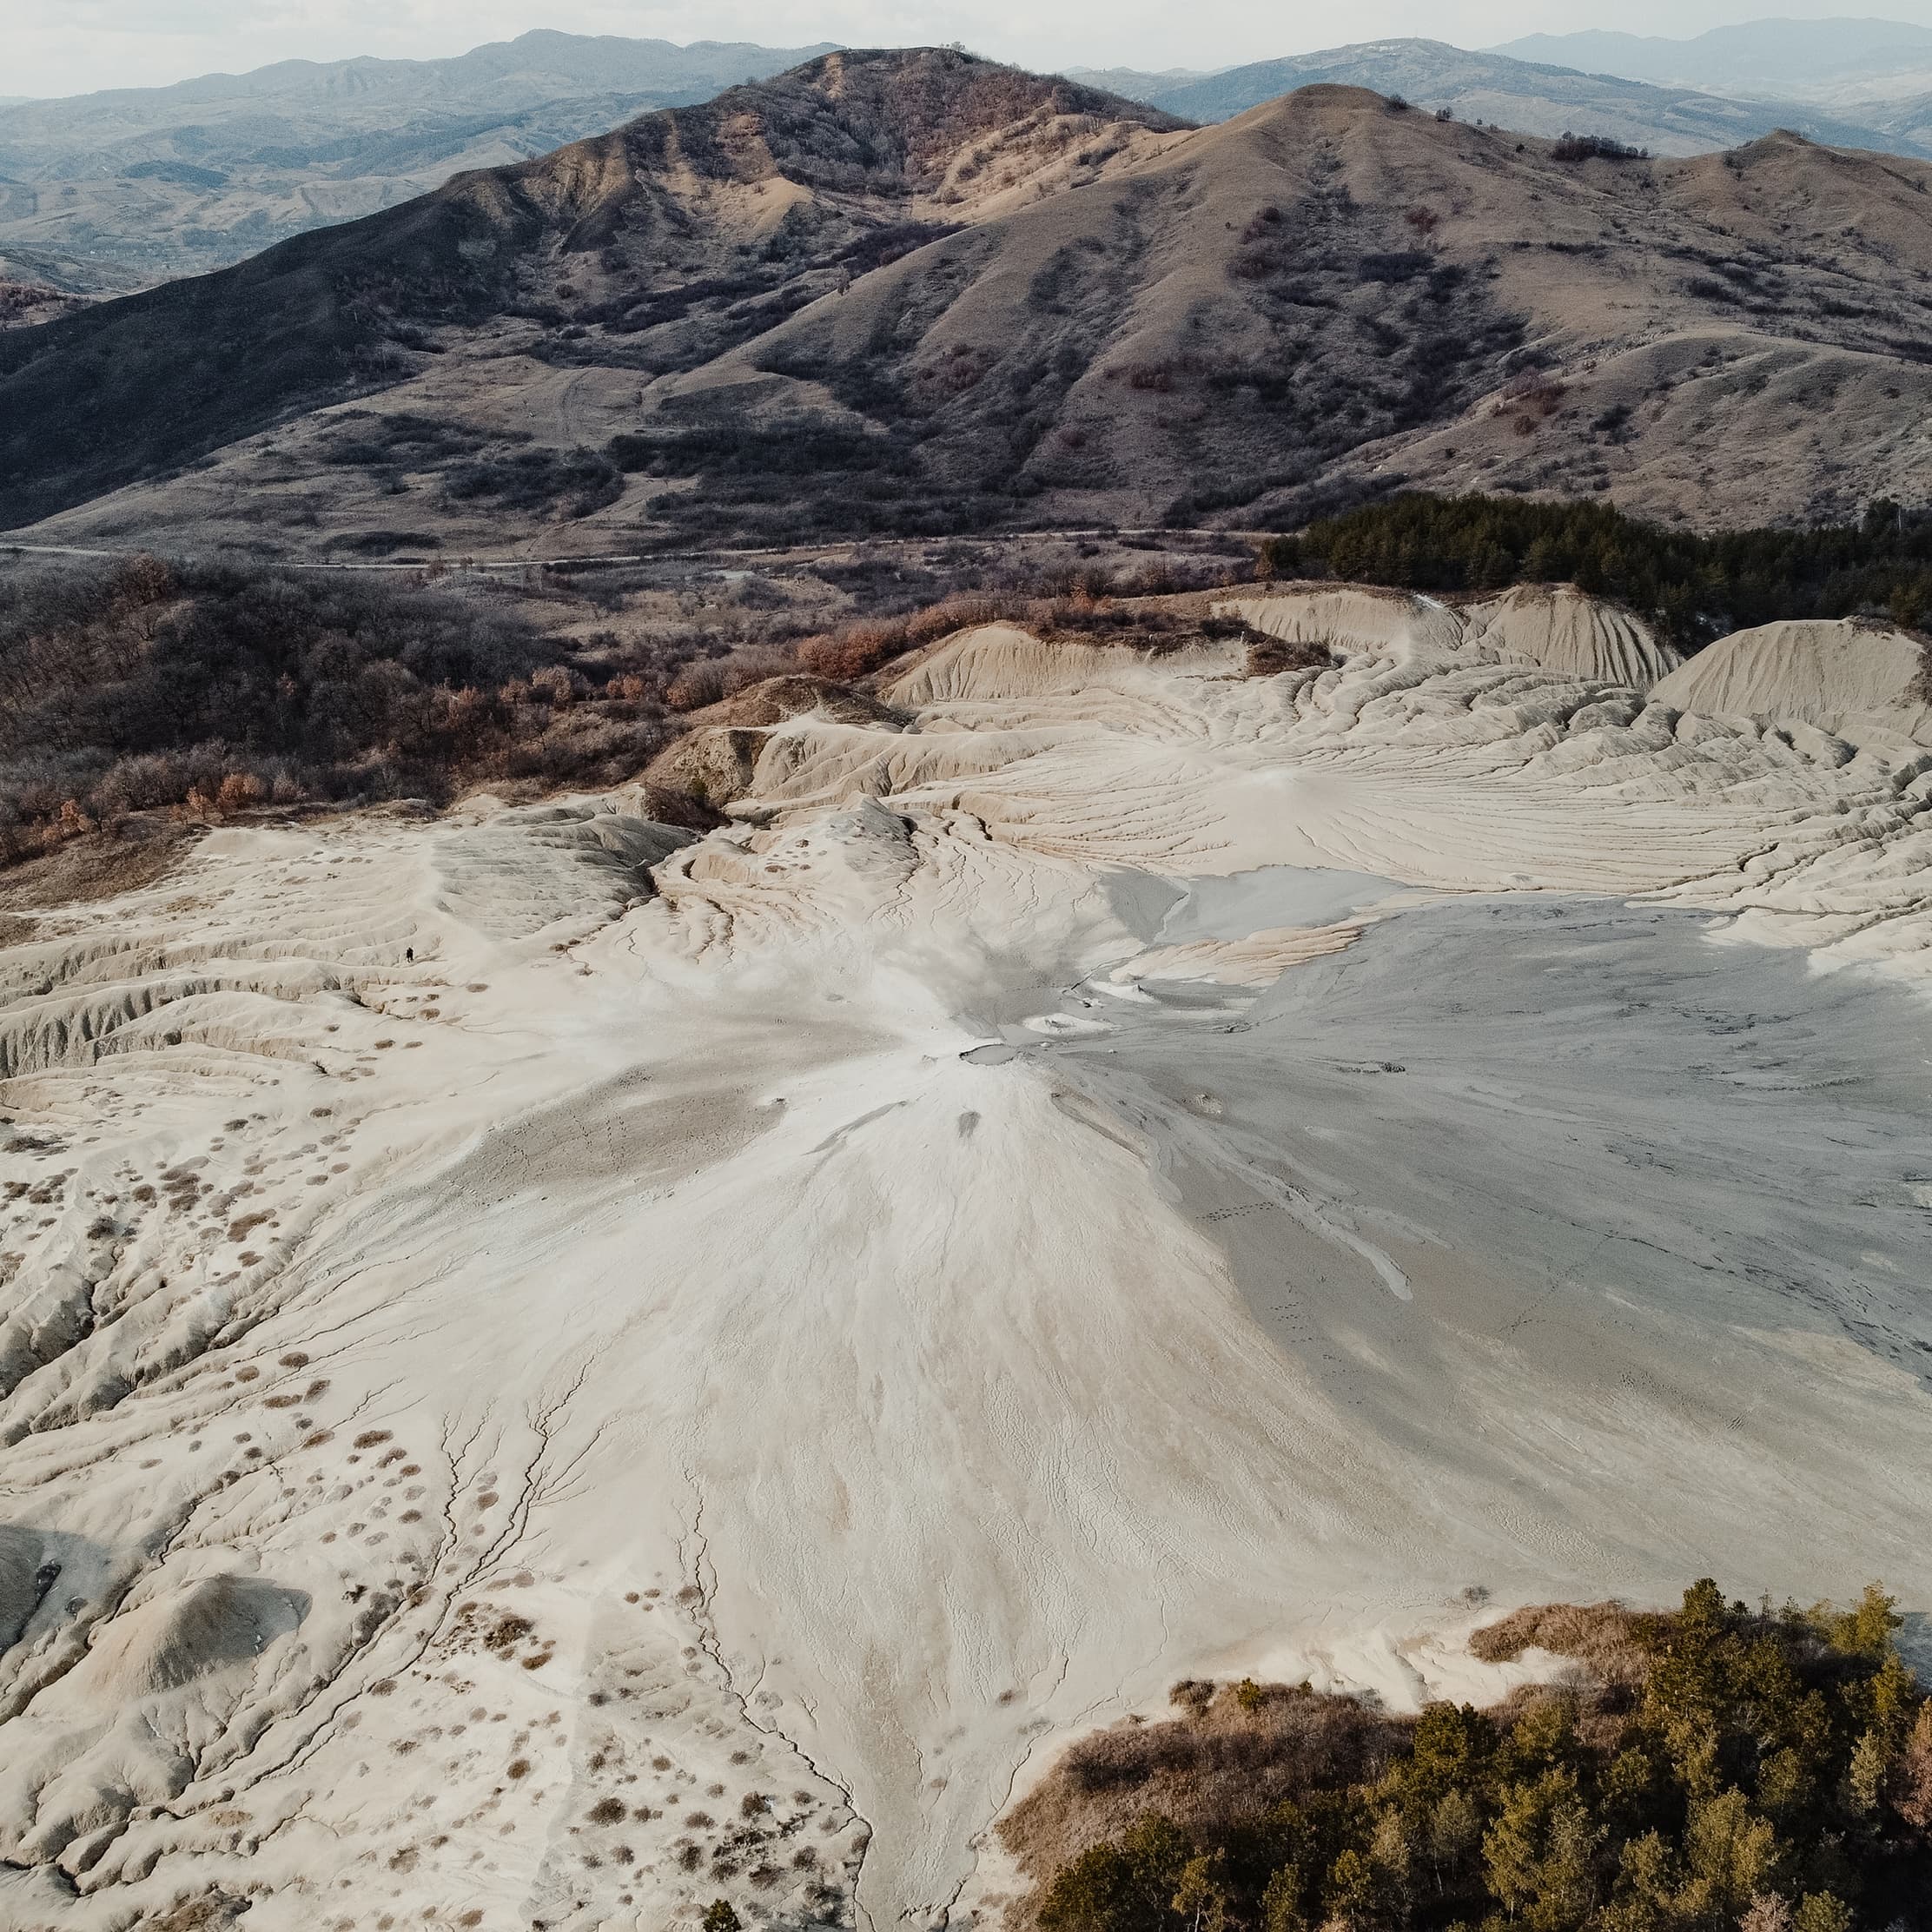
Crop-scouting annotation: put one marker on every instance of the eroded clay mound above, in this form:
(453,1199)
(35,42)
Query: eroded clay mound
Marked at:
(1842,675)
(189,1631)
(995,661)
(1559,628)
(512,872)
(477,1291)
(1352,618)
(774,700)
(716,765)
(717,760)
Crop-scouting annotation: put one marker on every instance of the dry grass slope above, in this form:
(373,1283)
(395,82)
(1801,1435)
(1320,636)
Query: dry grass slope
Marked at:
(912,293)
(675,237)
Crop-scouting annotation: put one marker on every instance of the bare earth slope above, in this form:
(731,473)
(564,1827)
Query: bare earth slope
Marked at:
(1322,279)
(680,233)
(651,338)
(1844,679)
(555,1372)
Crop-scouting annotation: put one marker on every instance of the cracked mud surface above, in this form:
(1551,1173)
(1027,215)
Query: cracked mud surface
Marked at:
(544,1383)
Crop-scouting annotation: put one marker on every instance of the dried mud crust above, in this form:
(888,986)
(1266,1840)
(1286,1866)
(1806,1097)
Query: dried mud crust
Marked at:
(428,1237)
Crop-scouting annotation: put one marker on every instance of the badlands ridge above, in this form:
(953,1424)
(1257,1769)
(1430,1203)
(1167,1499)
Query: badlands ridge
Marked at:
(555,1371)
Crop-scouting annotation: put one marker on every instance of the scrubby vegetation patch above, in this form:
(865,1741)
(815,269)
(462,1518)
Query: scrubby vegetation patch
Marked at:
(206,689)
(1694,588)
(1594,147)
(1711,1769)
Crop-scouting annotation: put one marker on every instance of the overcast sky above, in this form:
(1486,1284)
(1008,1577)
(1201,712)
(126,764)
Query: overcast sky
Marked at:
(49,47)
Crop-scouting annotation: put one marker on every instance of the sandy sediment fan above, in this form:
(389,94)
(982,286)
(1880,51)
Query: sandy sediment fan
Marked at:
(1854,679)
(790,740)
(1556,627)
(993,662)
(1353,619)
(1069,745)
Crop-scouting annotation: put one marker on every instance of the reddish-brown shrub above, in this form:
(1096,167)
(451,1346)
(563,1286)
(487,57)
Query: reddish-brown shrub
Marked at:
(699,684)
(239,791)
(1229,1759)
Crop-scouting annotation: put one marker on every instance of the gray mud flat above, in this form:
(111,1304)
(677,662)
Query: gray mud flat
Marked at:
(1171,912)
(1591,1148)
(1605,1095)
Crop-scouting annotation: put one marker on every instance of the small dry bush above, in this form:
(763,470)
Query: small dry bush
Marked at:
(699,684)
(1603,1637)
(1229,1762)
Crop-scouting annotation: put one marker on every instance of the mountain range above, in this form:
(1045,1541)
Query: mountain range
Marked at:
(108,193)
(111,190)
(1532,97)
(1840,61)
(916,292)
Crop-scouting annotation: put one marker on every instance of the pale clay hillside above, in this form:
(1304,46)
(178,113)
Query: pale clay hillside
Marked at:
(559,1371)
